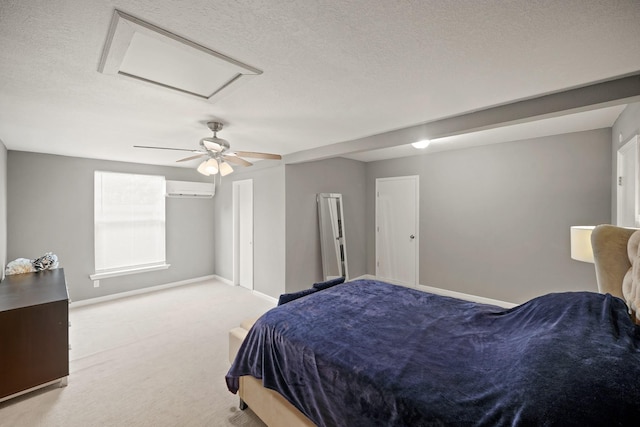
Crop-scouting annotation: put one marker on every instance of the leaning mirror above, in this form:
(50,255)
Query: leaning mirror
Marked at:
(332,240)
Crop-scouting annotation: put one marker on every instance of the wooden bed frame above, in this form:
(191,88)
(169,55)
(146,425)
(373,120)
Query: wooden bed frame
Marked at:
(611,264)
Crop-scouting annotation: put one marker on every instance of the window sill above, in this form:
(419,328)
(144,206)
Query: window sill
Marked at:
(124,272)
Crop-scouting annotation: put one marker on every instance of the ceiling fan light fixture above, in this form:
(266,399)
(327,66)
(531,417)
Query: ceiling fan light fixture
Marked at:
(225,169)
(208,167)
(218,154)
(202,168)
(211,166)
(421,145)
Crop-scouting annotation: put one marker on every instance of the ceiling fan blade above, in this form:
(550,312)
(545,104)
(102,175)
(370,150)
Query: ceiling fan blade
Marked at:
(165,148)
(237,160)
(192,157)
(255,155)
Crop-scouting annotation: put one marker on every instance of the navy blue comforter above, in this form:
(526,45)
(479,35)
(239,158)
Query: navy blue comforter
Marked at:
(367,353)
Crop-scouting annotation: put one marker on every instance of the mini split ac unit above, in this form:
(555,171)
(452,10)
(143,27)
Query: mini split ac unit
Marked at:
(186,189)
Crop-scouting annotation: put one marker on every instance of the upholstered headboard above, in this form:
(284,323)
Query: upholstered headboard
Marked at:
(617,259)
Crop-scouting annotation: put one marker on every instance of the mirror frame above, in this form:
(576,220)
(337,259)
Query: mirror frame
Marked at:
(330,251)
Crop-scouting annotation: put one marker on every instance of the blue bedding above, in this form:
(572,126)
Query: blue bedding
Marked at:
(367,353)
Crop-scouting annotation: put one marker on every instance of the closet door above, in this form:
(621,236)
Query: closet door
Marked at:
(397,234)
(627,184)
(243,233)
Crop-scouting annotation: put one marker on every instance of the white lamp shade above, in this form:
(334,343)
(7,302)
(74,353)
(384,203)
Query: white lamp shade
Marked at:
(225,169)
(581,249)
(212,166)
(203,168)
(208,167)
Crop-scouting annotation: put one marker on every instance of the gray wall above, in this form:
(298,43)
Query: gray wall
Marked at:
(268,227)
(3,206)
(627,125)
(303,182)
(50,209)
(494,220)
(286,236)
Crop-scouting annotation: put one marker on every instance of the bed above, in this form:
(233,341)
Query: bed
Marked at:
(367,353)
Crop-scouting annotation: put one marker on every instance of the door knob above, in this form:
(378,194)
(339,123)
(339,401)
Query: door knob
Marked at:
(412,237)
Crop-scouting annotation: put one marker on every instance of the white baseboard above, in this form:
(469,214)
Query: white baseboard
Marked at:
(223,280)
(256,293)
(267,297)
(119,295)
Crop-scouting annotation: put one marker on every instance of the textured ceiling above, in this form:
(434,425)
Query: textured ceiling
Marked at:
(334,70)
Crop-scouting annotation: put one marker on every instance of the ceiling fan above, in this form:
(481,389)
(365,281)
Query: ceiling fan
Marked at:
(219,156)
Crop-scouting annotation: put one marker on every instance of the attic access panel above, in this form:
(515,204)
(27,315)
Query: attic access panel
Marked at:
(143,51)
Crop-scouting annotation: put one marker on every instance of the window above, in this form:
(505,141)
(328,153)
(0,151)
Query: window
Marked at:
(129,219)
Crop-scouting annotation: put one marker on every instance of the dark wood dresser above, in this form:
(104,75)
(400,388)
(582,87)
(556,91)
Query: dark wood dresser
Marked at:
(34,331)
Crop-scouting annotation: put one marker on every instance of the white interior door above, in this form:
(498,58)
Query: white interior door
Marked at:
(243,233)
(627,184)
(397,234)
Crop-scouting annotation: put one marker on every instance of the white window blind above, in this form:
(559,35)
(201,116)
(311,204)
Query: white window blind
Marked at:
(129,220)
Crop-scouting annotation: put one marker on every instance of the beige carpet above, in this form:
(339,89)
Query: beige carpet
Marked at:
(157,359)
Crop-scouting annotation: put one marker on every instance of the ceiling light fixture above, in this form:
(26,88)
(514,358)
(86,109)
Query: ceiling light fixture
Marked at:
(225,169)
(421,144)
(202,168)
(211,166)
(218,154)
(208,167)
